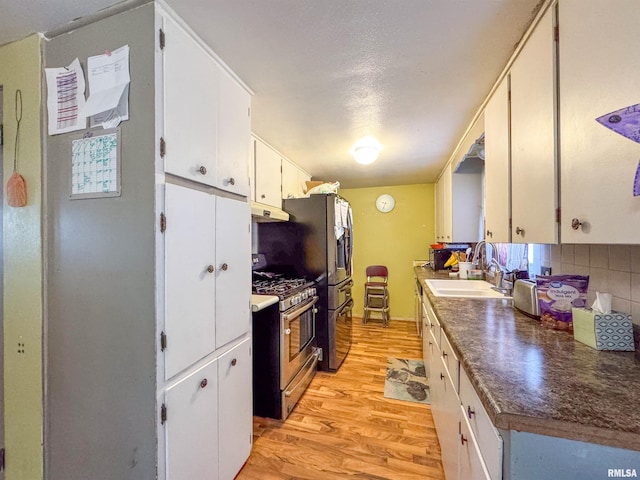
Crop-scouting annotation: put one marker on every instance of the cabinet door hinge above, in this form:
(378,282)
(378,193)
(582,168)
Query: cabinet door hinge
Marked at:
(556,33)
(249,111)
(2,459)
(163,414)
(558,214)
(163,223)
(163,147)
(163,341)
(510,224)
(161,38)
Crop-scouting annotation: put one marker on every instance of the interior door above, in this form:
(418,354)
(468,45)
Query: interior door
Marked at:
(233,269)
(190,286)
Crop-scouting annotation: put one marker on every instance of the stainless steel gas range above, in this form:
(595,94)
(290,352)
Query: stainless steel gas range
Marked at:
(285,356)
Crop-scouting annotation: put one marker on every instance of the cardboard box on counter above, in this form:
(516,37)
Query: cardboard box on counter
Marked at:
(603,331)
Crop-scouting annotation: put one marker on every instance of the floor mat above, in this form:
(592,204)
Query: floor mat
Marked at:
(407,380)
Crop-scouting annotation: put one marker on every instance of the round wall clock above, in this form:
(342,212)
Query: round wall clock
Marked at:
(385,203)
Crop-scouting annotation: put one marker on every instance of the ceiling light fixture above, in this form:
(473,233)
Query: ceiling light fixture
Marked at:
(366,150)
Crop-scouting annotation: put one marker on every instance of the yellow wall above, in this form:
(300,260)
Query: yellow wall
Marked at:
(20,69)
(393,239)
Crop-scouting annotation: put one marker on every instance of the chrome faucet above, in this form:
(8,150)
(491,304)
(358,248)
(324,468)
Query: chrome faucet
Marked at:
(484,266)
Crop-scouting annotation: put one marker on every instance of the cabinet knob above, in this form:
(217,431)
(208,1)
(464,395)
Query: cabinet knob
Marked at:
(470,413)
(576,223)
(263,196)
(441,376)
(287,331)
(444,354)
(231,181)
(203,170)
(233,362)
(520,231)
(204,383)
(224,267)
(462,439)
(489,233)
(210,268)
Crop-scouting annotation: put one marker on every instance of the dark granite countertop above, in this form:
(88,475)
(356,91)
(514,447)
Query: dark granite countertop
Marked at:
(537,380)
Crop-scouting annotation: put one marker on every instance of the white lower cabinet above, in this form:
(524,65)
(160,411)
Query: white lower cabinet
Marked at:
(207,419)
(444,406)
(469,456)
(471,446)
(236,402)
(190,418)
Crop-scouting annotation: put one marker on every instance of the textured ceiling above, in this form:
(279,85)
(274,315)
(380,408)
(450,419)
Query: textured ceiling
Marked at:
(412,73)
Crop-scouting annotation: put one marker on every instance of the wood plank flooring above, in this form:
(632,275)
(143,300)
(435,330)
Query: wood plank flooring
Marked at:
(343,427)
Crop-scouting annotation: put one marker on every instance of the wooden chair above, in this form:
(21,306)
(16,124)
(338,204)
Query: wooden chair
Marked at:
(376,293)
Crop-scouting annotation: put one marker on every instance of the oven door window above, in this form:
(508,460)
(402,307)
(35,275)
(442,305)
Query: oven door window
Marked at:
(301,331)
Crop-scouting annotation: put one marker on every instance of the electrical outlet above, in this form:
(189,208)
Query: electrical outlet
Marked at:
(545,270)
(20,347)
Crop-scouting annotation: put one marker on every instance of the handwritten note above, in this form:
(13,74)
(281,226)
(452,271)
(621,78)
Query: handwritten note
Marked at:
(94,165)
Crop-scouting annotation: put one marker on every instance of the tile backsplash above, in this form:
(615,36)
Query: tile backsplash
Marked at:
(613,269)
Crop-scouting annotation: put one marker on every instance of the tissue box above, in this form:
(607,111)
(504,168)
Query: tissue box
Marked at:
(603,331)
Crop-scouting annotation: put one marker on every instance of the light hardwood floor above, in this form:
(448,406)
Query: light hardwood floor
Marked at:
(343,427)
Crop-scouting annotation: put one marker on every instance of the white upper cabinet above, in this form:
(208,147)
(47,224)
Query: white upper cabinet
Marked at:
(599,65)
(190,77)
(268,175)
(444,226)
(207,123)
(497,192)
(293,180)
(534,198)
(234,131)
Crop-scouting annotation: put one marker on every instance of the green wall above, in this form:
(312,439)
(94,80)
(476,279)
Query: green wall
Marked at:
(393,239)
(23,315)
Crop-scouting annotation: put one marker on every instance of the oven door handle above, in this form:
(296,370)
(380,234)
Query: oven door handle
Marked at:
(300,311)
(314,359)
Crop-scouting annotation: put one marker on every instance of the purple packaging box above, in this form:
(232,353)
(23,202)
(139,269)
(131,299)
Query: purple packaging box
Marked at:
(557,295)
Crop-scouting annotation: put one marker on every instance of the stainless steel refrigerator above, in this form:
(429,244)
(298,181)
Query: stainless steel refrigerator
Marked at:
(317,241)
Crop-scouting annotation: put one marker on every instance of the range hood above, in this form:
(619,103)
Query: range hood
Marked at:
(261,212)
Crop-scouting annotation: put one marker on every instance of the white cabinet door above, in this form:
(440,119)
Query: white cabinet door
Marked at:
(190,106)
(597,164)
(497,165)
(189,286)
(447,210)
(236,409)
(290,188)
(303,177)
(268,175)
(534,196)
(234,131)
(444,406)
(252,168)
(191,427)
(472,466)
(232,269)
(444,225)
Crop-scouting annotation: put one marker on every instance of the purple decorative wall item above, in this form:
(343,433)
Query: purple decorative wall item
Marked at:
(625,121)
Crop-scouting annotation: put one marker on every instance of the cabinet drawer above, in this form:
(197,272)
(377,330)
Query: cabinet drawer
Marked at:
(450,360)
(488,439)
(470,460)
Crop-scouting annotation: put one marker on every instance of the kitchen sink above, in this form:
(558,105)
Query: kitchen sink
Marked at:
(463,289)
